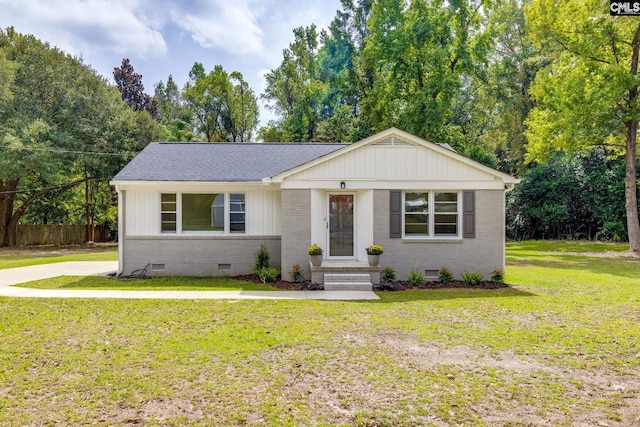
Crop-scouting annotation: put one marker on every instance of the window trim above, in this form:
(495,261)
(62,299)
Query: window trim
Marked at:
(431,213)
(227,215)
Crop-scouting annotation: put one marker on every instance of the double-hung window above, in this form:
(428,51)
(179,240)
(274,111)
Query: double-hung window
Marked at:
(431,214)
(209,213)
(168,215)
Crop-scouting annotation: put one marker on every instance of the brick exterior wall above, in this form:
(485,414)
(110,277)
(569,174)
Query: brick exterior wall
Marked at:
(480,254)
(198,256)
(296,230)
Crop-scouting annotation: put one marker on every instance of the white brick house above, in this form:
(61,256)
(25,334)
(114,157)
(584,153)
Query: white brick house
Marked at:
(204,209)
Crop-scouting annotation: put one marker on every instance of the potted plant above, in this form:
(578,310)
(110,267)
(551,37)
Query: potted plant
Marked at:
(373,254)
(315,253)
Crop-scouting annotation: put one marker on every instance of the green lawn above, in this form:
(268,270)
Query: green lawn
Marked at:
(560,347)
(153,284)
(11,258)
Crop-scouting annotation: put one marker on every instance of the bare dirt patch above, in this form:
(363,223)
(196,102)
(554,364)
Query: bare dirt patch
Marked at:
(581,385)
(601,254)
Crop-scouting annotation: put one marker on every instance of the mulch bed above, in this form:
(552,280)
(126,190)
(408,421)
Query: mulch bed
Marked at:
(397,285)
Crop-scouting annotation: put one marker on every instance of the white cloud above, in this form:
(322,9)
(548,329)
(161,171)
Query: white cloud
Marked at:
(78,26)
(228,26)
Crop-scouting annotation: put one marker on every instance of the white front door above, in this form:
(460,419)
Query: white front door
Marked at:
(341,226)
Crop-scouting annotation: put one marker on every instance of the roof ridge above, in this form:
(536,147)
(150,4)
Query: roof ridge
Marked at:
(247,143)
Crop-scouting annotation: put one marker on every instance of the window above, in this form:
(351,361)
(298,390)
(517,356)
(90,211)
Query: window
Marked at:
(446,214)
(431,214)
(168,214)
(416,214)
(236,213)
(203,213)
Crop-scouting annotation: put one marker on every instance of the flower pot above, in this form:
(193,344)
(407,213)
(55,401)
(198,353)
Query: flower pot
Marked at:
(374,260)
(316,260)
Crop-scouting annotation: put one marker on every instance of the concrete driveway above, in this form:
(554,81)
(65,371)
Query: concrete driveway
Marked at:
(13,276)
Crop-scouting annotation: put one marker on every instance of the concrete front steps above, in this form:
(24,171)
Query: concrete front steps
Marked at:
(347,275)
(347,282)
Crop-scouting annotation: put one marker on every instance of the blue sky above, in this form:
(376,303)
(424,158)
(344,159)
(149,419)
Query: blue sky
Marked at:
(163,37)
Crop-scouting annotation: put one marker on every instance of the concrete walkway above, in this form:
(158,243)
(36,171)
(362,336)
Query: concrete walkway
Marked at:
(13,276)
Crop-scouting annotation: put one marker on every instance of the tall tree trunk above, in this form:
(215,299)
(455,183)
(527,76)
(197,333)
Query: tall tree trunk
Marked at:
(7,198)
(631,199)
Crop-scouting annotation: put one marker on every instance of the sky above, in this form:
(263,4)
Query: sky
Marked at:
(163,37)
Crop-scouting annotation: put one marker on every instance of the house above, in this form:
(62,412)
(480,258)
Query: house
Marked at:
(199,209)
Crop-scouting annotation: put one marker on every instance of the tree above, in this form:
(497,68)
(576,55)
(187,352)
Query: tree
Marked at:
(571,197)
(294,90)
(588,95)
(130,86)
(64,125)
(493,101)
(420,51)
(175,115)
(224,107)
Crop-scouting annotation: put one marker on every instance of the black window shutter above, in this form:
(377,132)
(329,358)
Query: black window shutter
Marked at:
(469,214)
(395,214)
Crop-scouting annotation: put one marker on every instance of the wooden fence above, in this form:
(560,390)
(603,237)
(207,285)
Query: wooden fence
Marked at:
(55,234)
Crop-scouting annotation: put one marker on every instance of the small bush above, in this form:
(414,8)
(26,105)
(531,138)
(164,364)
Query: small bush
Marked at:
(262,259)
(416,278)
(445,276)
(297,275)
(497,275)
(268,274)
(472,278)
(388,274)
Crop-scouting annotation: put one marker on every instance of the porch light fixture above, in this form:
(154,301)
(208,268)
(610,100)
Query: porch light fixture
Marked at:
(342,185)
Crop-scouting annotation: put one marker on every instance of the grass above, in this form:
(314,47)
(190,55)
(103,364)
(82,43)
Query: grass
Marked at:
(153,284)
(10,258)
(560,347)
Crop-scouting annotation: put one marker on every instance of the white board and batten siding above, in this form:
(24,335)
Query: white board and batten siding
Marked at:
(397,165)
(262,208)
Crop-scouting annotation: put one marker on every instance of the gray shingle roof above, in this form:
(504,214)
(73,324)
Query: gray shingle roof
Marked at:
(221,162)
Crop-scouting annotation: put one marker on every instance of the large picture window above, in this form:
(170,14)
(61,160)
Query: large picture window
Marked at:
(203,212)
(430,214)
(218,213)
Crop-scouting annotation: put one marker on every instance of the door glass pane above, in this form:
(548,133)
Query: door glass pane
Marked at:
(341,225)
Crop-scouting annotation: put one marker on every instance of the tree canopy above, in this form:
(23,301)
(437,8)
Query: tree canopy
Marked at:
(60,124)
(588,94)
(223,106)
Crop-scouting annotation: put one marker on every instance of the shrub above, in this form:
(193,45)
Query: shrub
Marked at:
(472,278)
(445,276)
(388,274)
(262,259)
(297,275)
(268,274)
(416,278)
(497,275)
(314,250)
(375,250)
